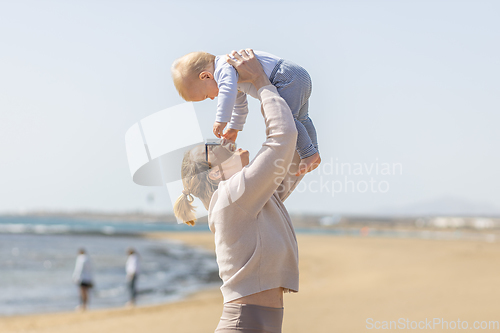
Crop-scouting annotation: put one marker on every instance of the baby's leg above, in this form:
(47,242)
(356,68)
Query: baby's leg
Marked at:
(307,144)
(303,118)
(294,85)
(307,149)
(296,94)
(304,140)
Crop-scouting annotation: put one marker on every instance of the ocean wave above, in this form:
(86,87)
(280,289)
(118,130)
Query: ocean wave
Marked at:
(17,228)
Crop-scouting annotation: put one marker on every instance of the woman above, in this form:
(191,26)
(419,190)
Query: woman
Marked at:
(255,241)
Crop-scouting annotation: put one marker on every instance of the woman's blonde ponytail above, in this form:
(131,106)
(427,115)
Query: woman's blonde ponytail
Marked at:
(184,209)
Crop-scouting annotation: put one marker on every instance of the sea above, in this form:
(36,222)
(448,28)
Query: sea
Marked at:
(37,259)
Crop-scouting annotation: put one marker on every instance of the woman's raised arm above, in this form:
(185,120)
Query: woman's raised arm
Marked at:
(265,173)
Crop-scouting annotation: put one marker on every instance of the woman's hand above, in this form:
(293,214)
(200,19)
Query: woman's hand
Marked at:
(249,68)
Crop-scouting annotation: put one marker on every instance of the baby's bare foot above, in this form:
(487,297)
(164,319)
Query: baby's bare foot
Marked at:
(308,164)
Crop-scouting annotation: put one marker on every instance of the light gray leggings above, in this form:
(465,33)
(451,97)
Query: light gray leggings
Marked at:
(249,318)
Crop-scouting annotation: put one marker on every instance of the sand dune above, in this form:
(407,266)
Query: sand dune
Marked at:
(344,281)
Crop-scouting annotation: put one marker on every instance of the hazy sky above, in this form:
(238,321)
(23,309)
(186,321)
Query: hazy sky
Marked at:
(407,84)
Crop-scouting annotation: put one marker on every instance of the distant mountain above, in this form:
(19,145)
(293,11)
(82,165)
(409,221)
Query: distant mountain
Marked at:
(451,206)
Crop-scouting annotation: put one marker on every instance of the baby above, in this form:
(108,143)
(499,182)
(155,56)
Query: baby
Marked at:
(200,75)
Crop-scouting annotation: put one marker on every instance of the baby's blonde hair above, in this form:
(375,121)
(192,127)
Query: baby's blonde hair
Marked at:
(187,68)
(196,181)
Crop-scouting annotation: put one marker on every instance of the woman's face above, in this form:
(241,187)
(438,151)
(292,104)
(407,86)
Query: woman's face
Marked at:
(232,162)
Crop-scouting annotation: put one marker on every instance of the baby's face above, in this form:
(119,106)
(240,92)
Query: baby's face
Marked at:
(203,89)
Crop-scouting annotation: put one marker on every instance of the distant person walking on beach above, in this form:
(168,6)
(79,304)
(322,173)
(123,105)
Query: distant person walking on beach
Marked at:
(256,247)
(82,276)
(132,268)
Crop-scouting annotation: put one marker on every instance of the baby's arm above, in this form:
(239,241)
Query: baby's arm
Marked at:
(240,112)
(238,118)
(228,89)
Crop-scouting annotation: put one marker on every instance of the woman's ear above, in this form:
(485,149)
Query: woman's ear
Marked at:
(214,173)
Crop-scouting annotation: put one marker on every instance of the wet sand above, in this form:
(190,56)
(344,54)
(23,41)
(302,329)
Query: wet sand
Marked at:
(344,281)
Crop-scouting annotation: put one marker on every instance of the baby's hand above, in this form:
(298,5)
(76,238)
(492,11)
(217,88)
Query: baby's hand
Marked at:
(231,134)
(219,128)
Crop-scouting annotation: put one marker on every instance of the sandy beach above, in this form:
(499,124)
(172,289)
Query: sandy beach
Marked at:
(344,281)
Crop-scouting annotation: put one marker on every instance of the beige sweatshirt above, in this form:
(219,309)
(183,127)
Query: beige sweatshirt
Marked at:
(255,241)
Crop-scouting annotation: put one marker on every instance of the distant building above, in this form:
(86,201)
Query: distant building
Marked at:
(330,220)
(458,222)
(482,223)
